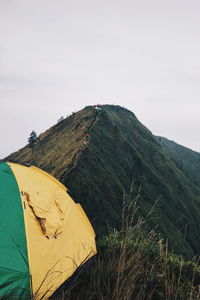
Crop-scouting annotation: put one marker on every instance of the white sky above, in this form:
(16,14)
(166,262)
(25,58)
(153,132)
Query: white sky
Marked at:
(57,56)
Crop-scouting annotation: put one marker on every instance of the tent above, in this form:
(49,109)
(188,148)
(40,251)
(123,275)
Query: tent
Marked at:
(44,234)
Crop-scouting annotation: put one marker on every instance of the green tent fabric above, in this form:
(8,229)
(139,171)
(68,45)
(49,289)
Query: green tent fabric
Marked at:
(14,267)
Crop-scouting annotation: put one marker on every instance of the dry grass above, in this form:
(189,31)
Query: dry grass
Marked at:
(133,264)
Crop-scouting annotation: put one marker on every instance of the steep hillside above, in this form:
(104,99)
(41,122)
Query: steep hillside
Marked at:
(187,160)
(98,152)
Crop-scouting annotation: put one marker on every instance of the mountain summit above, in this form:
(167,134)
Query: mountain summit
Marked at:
(99,152)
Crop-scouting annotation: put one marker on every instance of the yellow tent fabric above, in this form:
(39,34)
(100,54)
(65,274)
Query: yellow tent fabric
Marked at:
(59,234)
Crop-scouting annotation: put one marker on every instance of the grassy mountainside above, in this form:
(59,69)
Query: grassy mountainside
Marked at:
(98,153)
(187,160)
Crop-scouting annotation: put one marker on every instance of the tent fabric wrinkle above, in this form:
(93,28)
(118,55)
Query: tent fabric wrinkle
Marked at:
(48,211)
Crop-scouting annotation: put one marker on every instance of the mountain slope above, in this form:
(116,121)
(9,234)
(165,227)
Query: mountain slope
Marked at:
(98,152)
(187,160)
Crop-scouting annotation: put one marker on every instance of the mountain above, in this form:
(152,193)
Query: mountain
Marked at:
(187,160)
(99,152)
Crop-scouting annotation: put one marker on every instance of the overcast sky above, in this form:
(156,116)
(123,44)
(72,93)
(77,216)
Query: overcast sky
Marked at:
(57,56)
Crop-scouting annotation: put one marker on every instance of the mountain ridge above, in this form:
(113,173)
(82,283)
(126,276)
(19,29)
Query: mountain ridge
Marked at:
(98,152)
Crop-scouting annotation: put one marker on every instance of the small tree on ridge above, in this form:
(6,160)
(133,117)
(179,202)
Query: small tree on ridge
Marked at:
(32,139)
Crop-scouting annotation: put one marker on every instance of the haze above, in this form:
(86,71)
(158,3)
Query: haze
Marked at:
(58,56)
